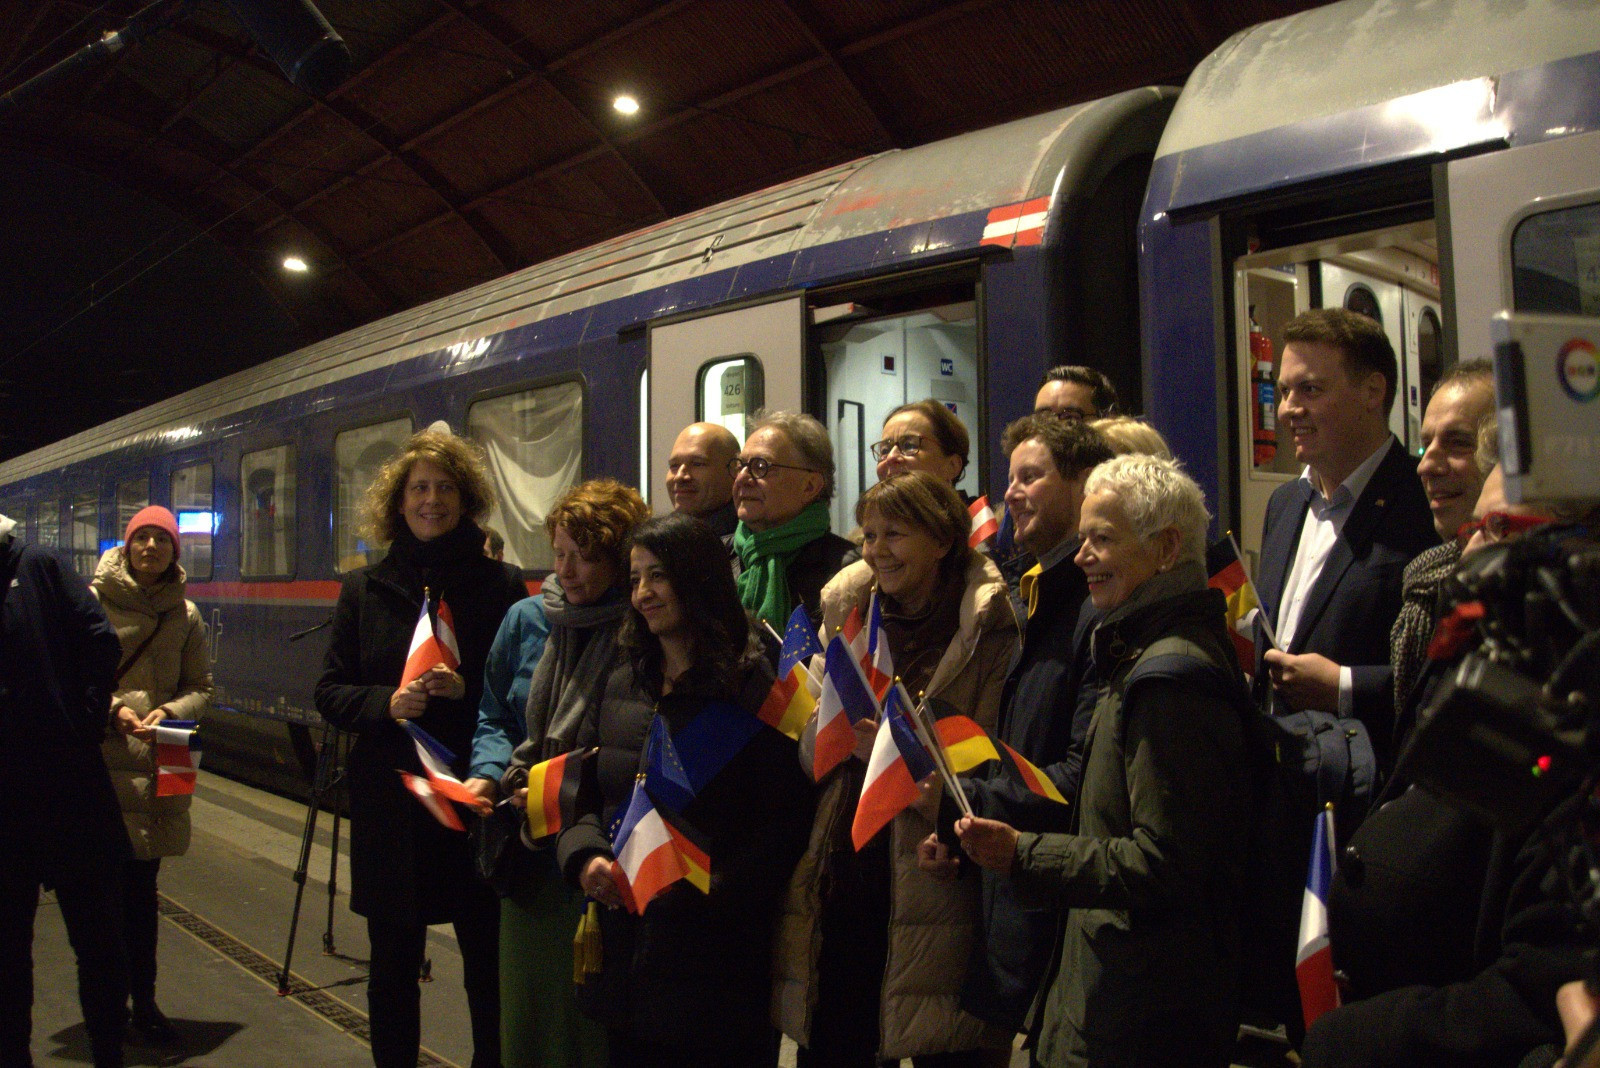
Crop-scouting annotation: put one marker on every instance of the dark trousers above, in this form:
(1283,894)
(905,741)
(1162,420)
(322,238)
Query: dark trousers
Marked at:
(90,904)
(629,1051)
(394,998)
(139,919)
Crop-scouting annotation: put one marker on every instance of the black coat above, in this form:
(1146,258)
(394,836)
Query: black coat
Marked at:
(1041,718)
(57,657)
(816,562)
(1354,602)
(405,867)
(1455,939)
(694,971)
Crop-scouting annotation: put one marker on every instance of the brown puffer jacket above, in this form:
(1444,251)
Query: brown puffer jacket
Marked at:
(932,921)
(173,672)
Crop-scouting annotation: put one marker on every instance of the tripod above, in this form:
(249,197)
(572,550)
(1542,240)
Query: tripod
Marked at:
(329,775)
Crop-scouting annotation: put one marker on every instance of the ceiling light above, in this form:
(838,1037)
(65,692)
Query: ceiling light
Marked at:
(626,105)
(295,263)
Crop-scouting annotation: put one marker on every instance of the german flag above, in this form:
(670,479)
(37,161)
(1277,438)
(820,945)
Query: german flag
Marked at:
(1032,777)
(553,792)
(966,745)
(1228,575)
(691,850)
(791,700)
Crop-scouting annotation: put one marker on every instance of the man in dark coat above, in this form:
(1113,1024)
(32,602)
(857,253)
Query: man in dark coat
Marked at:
(1338,538)
(60,826)
(784,551)
(1040,715)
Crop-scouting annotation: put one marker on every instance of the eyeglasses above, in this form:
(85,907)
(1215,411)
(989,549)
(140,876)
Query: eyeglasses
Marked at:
(759,467)
(908,444)
(1497,526)
(1066,415)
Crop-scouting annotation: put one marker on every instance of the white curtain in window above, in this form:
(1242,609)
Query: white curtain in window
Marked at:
(534,442)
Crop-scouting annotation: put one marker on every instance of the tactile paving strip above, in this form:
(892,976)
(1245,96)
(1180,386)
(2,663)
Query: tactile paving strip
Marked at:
(264,968)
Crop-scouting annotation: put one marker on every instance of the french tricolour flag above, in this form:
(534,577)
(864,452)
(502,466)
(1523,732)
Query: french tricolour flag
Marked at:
(429,648)
(984,524)
(441,809)
(647,856)
(899,762)
(1313,964)
(878,666)
(436,761)
(177,757)
(846,700)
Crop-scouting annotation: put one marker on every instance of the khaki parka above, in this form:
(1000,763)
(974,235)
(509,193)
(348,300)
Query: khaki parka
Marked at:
(933,921)
(173,672)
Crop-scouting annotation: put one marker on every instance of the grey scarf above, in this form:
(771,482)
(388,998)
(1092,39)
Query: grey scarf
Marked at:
(569,681)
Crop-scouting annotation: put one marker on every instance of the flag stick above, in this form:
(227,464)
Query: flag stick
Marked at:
(929,737)
(1261,606)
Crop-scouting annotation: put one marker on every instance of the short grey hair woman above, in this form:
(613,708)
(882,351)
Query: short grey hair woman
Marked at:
(1151,880)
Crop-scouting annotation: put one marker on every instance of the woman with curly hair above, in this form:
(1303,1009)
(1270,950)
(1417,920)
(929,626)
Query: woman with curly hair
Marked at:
(582,694)
(406,870)
(687,980)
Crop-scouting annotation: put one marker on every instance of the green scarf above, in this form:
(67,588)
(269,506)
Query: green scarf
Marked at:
(765,559)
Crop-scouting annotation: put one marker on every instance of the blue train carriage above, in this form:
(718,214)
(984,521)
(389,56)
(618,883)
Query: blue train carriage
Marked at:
(1427,164)
(959,270)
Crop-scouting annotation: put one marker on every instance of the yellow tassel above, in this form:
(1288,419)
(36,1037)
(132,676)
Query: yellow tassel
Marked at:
(586,945)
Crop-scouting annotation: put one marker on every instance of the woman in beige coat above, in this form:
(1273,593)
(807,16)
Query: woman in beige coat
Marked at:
(165,674)
(871,950)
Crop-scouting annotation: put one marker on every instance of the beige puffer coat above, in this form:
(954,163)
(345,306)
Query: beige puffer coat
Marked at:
(932,921)
(173,672)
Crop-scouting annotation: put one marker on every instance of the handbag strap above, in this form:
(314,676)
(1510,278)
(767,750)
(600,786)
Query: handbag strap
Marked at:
(123,668)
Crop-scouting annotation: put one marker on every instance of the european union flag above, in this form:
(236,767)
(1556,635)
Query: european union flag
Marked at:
(799,642)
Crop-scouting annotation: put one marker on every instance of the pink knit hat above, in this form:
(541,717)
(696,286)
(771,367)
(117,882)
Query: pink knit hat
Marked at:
(154,516)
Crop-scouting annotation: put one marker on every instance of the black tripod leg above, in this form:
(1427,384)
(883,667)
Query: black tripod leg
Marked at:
(307,836)
(328,948)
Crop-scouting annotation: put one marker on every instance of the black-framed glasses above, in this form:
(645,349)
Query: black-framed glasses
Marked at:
(759,467)
(908,444)
(1068,414)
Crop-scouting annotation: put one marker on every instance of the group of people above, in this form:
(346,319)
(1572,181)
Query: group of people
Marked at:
(1110,928)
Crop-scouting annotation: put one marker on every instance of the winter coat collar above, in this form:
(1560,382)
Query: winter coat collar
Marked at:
(114,584)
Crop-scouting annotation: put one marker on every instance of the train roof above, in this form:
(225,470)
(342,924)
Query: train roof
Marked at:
(1342,57)
(1001,165)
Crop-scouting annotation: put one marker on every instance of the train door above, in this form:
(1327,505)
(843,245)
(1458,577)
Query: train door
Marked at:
(886,344)
(1532,239)
(1390,274)
(720,368)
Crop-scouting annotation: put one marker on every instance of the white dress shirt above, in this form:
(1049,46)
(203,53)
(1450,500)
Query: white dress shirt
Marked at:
(1325,519)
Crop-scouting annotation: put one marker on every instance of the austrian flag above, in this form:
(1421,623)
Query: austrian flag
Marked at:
(984,524)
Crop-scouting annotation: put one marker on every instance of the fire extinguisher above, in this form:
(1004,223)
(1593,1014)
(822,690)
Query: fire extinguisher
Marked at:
(1264,412)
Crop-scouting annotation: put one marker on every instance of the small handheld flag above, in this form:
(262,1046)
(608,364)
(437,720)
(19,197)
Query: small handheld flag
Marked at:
(441,809)
(647,858)
(427,648)
(1225,565)
(984,524)
(553,792)
(879,666)
(966,744)
(1032,777)
(436,761)
(177,757)
(791,701)
(445,630)
(846,700)
(899,762)
(1313,964)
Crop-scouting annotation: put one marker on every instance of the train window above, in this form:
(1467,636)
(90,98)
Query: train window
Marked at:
(266,525)
(197,518)
(1361,300)
(85,533)
(1555,261)
(534,442)
(47,525)
(358,453)
(132,495)
(728,392)
(874,365)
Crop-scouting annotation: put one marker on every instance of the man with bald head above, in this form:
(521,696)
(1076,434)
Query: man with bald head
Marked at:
(698,478)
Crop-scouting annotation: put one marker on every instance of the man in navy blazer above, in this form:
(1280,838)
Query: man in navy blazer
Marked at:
(1337,539)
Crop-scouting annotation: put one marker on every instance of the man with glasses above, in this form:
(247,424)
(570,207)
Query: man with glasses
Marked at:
(699,478)
(1075,392)
(785,553)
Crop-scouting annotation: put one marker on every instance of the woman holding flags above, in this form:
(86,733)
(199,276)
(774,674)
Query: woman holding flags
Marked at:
(707,826)
(407,870)
(872,951)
